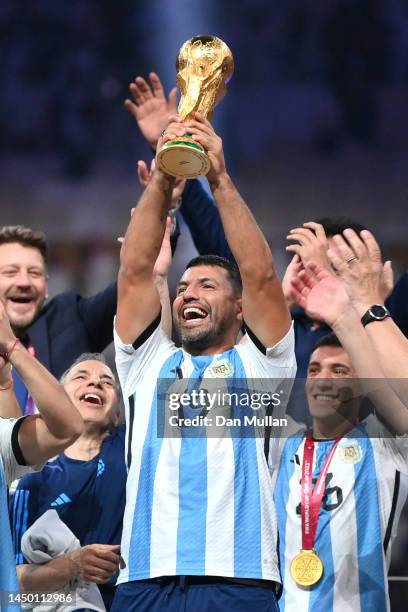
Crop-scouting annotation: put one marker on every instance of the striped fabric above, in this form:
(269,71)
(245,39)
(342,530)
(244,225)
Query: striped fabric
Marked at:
(196,505)
(364,496)
(9,470)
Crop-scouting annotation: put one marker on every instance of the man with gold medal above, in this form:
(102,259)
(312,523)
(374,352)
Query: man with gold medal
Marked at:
(340,487)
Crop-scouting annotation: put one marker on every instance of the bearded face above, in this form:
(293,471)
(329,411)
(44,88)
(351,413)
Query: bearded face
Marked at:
(207,310)
(23,283)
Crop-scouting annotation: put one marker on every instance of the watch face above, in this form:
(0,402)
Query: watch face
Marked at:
(378,312)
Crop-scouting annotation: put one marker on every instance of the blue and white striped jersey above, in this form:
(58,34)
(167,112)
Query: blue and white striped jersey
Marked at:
(366,487)
(9,470)
(196,505)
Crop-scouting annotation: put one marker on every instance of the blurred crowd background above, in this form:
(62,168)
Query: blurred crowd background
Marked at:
(315,123)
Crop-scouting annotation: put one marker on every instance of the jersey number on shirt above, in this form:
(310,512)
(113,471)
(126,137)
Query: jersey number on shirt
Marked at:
(334,494)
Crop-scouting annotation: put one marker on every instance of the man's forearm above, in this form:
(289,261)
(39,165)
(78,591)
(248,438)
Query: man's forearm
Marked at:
(9,406)
(246,241)
(145,233)
(390,346)
(163,290)
(60,416)
(355,342)
(47,577)
(391,350)
(374,384)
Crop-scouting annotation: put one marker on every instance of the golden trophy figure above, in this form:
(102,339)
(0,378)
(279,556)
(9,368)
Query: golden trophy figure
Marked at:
(204,66)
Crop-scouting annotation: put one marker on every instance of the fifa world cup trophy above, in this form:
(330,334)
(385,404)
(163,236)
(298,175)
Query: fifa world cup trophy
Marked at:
(204,66)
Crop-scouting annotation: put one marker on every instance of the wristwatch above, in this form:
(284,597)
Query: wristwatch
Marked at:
(377,312)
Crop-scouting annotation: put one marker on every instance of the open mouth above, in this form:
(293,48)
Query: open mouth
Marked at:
(23,299)
(21,303)
(324,397)
(194,313)
(91,398)
(193,316)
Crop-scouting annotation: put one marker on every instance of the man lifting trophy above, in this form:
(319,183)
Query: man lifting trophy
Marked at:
(204,66)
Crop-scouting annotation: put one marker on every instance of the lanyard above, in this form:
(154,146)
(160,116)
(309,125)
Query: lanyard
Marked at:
(311,500)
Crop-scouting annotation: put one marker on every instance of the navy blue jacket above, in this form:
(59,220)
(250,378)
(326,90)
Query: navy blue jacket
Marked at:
(69,325)
(204,221)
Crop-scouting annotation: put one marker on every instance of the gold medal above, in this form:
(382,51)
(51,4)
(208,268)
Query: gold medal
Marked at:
(306,568)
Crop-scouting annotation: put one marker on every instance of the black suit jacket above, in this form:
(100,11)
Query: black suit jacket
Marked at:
(69,325)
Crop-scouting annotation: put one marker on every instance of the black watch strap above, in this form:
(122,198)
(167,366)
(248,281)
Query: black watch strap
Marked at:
(377,312)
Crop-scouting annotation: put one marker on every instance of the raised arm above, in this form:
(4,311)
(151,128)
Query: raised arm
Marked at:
(160,277)
(324,297)
(138,298)
(264,306)
(59,423)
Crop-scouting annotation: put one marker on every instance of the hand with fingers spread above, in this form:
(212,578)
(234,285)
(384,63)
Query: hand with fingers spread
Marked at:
(357,260)
(150,108)
(311,244)
(322,295)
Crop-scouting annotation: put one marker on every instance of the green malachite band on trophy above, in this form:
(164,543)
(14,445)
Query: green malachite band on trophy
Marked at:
(193,145)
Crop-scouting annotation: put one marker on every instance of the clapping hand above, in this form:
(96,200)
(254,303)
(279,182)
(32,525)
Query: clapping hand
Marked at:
(322,295)
(357,261)
(311,244)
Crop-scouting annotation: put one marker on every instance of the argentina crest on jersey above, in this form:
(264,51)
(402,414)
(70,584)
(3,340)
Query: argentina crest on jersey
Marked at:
(220,368)
(350,450)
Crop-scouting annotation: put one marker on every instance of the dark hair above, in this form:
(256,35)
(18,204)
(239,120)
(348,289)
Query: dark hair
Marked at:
(337,225)
(329,339)
(26,237)
(222,262)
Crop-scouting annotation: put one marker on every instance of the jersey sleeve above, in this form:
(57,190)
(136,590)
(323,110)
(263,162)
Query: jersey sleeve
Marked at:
(146,354)
(270,369)
(13,461)
(272,361)
(394,447)
(23,512)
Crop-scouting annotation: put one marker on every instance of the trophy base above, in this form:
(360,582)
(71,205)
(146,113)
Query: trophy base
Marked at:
(183,158)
